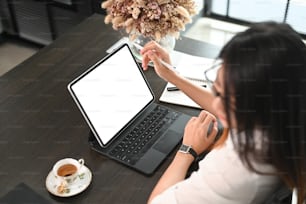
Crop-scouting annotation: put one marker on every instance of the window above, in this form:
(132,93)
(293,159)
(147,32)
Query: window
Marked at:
(296,15)
(244,12)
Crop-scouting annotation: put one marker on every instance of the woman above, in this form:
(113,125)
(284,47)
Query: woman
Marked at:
(259,94)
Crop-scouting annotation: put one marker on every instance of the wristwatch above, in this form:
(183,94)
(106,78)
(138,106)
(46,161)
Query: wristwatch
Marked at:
(187,149)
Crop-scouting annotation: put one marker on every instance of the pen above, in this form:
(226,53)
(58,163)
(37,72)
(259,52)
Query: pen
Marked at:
(169,66)
(174,88)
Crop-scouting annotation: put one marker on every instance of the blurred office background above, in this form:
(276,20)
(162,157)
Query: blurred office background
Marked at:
(27,26)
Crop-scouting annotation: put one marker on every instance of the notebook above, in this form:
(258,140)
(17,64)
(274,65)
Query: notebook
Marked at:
(118,105)
(191,67)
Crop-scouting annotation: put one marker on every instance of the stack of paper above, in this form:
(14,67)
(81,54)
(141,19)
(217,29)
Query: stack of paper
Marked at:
(191,67)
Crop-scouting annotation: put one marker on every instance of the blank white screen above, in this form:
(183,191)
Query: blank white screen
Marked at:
(112,94)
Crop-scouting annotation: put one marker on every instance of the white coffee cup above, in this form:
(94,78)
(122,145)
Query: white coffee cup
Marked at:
(67,170)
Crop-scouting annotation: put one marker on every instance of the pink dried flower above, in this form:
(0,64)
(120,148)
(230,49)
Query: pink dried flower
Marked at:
(150,18)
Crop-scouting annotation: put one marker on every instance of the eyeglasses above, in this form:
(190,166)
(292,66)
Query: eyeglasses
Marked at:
(211,73)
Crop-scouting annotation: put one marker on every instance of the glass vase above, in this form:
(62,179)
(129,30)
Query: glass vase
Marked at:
(167,42)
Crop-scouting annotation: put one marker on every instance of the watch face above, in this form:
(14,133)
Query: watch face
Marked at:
(184,148)
(188,149)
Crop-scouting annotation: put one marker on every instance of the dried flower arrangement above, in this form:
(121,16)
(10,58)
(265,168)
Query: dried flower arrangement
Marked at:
(151,18)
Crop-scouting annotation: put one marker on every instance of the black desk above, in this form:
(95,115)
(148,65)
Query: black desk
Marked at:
(40,124)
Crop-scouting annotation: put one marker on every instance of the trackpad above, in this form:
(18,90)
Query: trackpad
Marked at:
(168,142)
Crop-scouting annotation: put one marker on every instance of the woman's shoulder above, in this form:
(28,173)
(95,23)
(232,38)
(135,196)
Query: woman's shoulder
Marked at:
(226,160)
(228,154)
(231,175)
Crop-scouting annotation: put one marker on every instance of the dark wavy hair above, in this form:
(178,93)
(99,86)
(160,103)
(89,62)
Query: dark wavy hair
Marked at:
(265,72)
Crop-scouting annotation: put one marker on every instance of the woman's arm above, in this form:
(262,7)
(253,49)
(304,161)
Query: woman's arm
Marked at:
(202,96)
(176,172)
(195,135)
(153,52)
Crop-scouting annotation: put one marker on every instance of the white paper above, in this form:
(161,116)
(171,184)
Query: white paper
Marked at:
(191,67)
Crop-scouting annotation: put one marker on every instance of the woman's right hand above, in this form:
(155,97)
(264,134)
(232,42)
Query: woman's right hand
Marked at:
(152,51)
(196,132)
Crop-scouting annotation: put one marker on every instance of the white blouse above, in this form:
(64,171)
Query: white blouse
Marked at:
(222,178)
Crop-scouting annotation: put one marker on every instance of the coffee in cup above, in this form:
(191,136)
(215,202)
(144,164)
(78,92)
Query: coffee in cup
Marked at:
(66,171)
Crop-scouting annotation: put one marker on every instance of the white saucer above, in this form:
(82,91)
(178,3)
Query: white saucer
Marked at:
(81,183)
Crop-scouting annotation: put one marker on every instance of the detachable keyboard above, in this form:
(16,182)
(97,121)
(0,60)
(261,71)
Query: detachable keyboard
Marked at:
(140,138)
